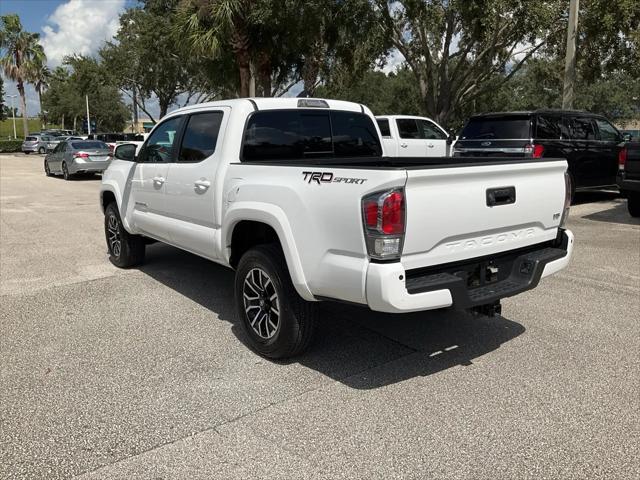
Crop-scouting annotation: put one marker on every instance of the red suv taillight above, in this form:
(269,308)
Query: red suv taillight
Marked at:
(534,150)
(622,158)
(384,223)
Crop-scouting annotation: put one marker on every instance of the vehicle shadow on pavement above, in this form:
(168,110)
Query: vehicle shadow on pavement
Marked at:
(616,214)
(355,346)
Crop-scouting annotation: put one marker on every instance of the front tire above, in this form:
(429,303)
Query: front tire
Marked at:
(277,321)
(633,204)
(125,250)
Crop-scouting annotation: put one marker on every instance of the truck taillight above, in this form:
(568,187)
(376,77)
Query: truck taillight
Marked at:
(534,150)
(622,158)
(384,223)
(567,199)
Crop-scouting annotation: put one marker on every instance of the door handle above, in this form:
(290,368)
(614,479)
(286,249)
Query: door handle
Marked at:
(201,186)
(430,145)
(403,145)
(158,180)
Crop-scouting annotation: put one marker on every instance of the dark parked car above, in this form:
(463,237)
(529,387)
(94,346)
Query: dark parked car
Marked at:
(629,177)
(589,142)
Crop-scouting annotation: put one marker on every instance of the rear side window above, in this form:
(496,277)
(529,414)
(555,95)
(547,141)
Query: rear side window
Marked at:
(583,128)
(507,127)
(408,128)
(300,134)
(383,125)
(548,127)
(200,136)
(354,135)
(608,132)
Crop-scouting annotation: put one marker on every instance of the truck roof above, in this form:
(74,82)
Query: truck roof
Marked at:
(531,112)
(269,103)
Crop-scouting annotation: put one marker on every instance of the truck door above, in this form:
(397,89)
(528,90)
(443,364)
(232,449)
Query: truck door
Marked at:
(149,207)
(410,138)
(608,148)
(191,183)
(435,138)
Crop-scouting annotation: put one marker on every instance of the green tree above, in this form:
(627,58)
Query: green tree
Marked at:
(65,97)
(20,51)
(3,113)
(457,49)
(211,26)
(40,76)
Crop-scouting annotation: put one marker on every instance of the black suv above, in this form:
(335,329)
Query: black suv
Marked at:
(589,142)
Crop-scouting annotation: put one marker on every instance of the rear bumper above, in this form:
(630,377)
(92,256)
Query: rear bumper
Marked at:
(88,167)
(29,149)
(392,289)
(626,184)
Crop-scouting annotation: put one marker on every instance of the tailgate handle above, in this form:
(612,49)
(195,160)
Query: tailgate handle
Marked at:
(501,196)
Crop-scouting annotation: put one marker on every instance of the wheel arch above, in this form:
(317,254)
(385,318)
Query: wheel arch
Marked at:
(248,226)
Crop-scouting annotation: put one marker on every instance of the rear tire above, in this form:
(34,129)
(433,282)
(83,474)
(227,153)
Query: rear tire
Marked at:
(65,172)
(47,170)
(125,250)
(633,204)
(277,321)
(41,151)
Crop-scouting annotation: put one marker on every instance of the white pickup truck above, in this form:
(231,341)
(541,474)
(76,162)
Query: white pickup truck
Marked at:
(297,196)
(409,136)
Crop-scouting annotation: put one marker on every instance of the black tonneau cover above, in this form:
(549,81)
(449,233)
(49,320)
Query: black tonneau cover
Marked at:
(401,162)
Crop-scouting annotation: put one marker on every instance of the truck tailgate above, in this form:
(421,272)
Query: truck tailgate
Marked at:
(459,212)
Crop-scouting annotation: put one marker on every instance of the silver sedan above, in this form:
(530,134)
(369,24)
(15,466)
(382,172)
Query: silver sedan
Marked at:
(72,157)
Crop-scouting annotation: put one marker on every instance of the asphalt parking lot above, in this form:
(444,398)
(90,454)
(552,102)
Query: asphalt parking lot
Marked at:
(142,373)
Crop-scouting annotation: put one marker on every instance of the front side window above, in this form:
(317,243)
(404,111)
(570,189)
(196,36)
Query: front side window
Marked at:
(306,133)
(200,136)
(383,125)
(608,132)
(430,131)
(159,146)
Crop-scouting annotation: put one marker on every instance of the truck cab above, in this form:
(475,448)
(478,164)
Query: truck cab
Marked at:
(410,136)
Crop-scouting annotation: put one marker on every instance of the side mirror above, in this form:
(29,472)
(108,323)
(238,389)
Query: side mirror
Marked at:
(626,137)
(126,151)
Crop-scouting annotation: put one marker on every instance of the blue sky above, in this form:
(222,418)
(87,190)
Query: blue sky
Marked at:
(65,27)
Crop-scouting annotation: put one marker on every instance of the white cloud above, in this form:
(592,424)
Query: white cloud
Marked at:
(394,60)
(80,27)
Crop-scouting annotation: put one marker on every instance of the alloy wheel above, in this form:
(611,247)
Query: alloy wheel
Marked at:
(113,235)
(261,303)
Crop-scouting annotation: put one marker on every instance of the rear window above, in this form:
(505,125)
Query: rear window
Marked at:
(507,127)
(383,125)
(31,139)
(89,145)
(306,133)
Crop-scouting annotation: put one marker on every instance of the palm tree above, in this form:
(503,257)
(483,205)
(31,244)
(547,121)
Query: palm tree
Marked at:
(40,76)
(210,25)
(20,51)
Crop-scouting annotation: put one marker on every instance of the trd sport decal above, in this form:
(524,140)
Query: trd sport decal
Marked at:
(327,177)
